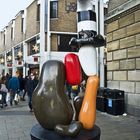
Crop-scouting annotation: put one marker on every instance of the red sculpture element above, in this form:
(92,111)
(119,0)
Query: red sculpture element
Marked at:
(73,69)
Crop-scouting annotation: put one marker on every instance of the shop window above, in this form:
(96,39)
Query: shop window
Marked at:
(9,58)
(33,46)
(18,52)
(2,59)
(53,9)
(63,43)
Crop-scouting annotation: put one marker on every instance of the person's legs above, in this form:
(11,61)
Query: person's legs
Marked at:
(69,94)
(4,98)
(1,99)
(11,97)
(24,95)
(21,95)
(30,102)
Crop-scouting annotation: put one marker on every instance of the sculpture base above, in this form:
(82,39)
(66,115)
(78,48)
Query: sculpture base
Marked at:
(39,133)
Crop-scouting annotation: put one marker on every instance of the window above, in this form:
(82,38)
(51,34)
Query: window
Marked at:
(9,56)
(11,32)
(63,43)
(53,9)
(4,39)
(33,46)
(38,12)
(22,24)
(18,52)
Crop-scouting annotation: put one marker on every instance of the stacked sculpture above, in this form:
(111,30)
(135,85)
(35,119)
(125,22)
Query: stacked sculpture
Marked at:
(51,106)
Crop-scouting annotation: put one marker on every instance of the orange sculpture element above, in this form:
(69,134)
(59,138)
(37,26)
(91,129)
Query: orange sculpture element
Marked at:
(87,114)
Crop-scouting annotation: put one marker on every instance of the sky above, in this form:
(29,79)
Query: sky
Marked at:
(9,9)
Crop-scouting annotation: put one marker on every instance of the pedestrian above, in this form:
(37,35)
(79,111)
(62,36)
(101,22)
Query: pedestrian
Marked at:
(68,90)
(83,86)
(3,91)
(13,87)
(75,90)
(22,85)
(25,87)
(30,86)
(8,77)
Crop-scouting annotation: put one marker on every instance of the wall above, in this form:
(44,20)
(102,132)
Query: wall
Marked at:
(32,25)
(18,34)
(123,57)
(1,41)
(8,41)
(66,21)
(115,3)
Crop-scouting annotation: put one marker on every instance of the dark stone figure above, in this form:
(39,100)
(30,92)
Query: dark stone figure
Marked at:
(50,104)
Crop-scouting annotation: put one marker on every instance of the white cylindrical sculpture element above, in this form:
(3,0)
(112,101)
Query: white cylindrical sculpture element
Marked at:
(88,59)
(87,25)
(86,16)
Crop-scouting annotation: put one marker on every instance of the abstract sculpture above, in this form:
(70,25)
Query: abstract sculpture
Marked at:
(52,108)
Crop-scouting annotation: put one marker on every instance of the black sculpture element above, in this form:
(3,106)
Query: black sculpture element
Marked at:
(71,130)
(77,105)
(50,103)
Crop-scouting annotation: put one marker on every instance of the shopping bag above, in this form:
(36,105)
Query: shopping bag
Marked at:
(0,97)
(8,97)
(17,98)
(1,100)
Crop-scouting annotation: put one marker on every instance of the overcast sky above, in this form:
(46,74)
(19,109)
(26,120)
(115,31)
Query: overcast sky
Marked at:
(9,8)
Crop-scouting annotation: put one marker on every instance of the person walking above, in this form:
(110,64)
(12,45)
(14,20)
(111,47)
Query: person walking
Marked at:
(22,85)
(25,87)
(68,88)
(8,77)
(13,87)
(30,86)
(75,90)
(3,91)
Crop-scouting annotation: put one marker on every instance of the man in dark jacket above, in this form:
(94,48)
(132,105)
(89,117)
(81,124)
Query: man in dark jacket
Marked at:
(30,86)
(13,87)
(22,85)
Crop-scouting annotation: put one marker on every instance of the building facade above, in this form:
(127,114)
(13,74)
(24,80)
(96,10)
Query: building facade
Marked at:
(123,46)
(30,38)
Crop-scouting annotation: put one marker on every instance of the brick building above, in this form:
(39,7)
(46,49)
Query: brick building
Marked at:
(24,41)
(123,45)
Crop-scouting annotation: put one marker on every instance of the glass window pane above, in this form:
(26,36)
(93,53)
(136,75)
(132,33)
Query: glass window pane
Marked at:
(53,9)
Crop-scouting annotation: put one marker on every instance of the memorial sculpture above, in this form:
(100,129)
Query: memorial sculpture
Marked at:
(51,106)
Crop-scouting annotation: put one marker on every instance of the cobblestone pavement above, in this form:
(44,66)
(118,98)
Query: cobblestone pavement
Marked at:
(118,127)
(16,123)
